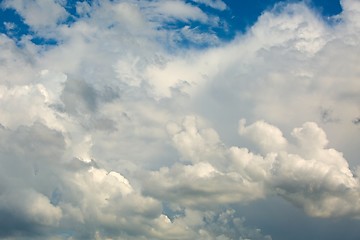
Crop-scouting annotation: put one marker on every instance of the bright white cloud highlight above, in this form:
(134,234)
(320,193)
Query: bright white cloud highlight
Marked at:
(306,172)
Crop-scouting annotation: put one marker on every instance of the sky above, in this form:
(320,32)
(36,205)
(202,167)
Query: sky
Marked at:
(179,119)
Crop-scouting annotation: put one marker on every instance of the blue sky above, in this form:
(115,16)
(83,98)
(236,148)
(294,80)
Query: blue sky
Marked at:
(179,119)
(240,15)
(245,13)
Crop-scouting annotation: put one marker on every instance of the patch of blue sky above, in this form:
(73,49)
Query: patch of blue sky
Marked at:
(238,17)
(44,41)
(246,12)
(224,29)
(71,5)
(197,35)
(12,24)
(327,8)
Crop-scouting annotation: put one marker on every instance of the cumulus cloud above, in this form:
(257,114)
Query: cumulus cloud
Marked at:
(305,172)
(268,137)
(68,194)
(121,131)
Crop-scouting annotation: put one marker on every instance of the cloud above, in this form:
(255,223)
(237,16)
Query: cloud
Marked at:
(180,10)
(46,190)
(268,137)
(42,16)
(326,171)
(305,172)
(121,131)
(55,192)
(217,4)
(13,59)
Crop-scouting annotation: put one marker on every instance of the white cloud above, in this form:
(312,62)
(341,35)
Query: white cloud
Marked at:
(13,59)
(195,145)
(195,36)
(268,137)
(306,173)
(351,12)
(130,14)
(179,10)
(217,4)
(41,15)
(119,132)
(30,102)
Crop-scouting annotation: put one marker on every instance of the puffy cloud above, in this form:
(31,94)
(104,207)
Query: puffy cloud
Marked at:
(201,186)
(194,145)
(306,173)
(268,137)
(119,131)
(327,175)
(45,191)
(37,210)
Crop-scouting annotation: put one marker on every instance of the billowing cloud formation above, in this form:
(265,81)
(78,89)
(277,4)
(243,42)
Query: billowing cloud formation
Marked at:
(305,172)
(133,125)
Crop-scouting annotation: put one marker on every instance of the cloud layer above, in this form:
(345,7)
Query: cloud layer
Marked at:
(139,125)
